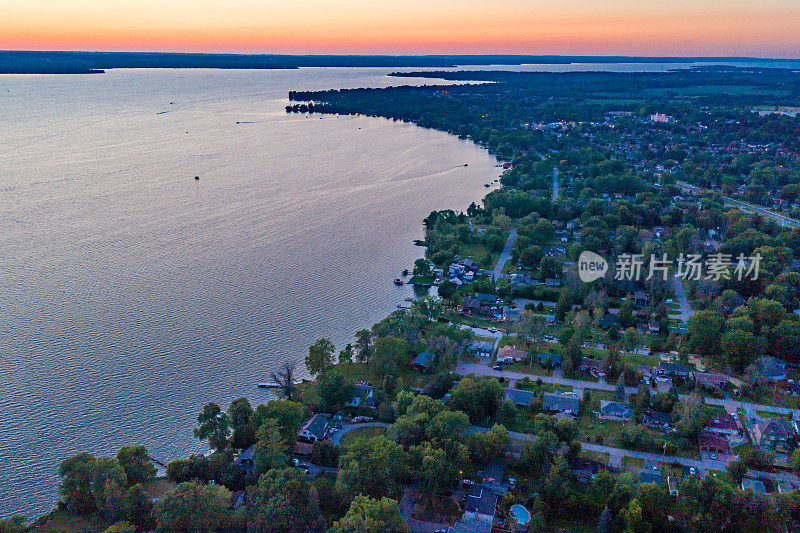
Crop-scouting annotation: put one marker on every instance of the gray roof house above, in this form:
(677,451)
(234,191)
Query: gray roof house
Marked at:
(481,348)
(423,361)
(314,428)
(615,410)
(771,369)
(549,359)
(560,403)
(520,396)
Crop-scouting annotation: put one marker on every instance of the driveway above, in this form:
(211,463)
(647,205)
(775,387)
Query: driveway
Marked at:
(505,255)
(337,435)
(686,311)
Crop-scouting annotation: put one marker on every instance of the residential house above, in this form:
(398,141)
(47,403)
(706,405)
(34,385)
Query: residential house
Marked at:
(596,367)
(659,419)
(493,476)
(560,403)
(654,326)
(608,320)
(724,425)
(509,353)
(640,299)
(549,359)
(481,348)
(756,485)
(314,429)
(671,370)
(713,444)
(423,361)
(648,476)
(480,507)
(615,410)
(510,313)
(775,433)
(711,380)
(770,369)
(520,397)
(246,459)
(672,486)
(552,282)
(363,396)
(486,299)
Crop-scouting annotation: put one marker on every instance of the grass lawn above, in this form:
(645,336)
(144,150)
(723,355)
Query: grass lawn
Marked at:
(361,433)
(638,359)
(770,414)
(544,387)
(527,368)
(632,462)
(611,432)
(600,457)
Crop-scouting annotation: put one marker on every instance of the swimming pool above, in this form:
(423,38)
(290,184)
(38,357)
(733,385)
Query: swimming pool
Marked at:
(520,514)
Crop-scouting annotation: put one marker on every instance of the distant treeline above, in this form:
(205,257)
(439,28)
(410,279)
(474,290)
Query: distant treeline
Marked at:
(32,62)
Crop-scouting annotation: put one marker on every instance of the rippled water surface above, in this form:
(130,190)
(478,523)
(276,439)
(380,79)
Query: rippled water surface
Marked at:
(132,293)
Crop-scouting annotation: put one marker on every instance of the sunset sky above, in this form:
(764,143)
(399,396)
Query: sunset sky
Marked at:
(767,28)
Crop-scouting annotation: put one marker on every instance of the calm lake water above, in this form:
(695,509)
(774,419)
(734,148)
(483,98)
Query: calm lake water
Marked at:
(133,294)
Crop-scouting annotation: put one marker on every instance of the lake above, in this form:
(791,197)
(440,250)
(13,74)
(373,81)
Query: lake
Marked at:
(133,294)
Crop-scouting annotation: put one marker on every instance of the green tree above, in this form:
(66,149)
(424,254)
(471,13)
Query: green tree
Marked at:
(108,487)
(137,464)
(346,355)
(138,507)
(283,500)
(334,391)
(705,330)
(271,448)
(214,426)
(287,414)
(76,485)
(13,524)
(320,356)
(739,348)
(372,467)
(193,507)
(119,527)
(692,415)
(363,345)
(368,515)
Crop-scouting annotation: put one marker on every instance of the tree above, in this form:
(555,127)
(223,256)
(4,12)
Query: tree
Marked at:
(448,425)
(288,416)
(284,379)
(368,515)
(119,527)
(76,485)
(605,523)
(213,426)
(705,330)
(692,415)
(14,524)
(422,267)
(270,451)
(138,507)
(447,289)
(739,349)
(389,354)
(334,391)
(737,469)
(283,500)
(320,356)
(490,446)
(180,470)
(193,507)
(108,487)
(363,344)
(137,464)
(478,397)
(372,467)
(619,391)
(346,355)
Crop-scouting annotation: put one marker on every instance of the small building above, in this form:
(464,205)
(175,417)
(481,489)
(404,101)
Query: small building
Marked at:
(509,353)
(755,485)
(615,410)
(711,380)
(776,432)
(608,320)
(480,506)
(246,459)
(640,299)
(560,403)
(486,299)
(520,397)
(724,425)
(648,476)
(552,282)
(713,444)
(314,429)
(659,419)
(549,359)
(672,486)
(770,369)
(671,370)
(654,326)
(481,348)
(595,367)
(363,396)
(423,361)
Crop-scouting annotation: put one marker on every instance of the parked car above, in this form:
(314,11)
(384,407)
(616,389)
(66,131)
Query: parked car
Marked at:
(497,367)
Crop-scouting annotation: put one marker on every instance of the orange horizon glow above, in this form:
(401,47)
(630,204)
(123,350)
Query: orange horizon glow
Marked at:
(577,27)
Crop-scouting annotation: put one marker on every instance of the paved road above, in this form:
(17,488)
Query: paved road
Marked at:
(505,255)
(730,405)
(346,428)
(555,184)
(782,220)
(686,310)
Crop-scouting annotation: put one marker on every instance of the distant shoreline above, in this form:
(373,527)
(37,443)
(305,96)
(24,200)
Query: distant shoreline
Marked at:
(77,62)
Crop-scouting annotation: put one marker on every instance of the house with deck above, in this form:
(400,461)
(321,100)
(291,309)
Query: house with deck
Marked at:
(314,429)
(560,403)
(615,411)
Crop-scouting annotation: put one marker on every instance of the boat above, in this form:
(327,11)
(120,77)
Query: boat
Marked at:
(409,299)
(398,281)
(263,385)
(466,164)
(487,184)
(405,272)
